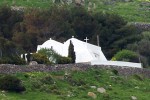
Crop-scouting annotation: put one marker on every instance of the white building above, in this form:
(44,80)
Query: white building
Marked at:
(85,53)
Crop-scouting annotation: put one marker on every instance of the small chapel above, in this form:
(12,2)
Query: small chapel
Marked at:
(85,52)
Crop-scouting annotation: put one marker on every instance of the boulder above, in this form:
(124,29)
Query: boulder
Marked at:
(133,98)
(91,94)
(101,90)
(33,63)
(93,87)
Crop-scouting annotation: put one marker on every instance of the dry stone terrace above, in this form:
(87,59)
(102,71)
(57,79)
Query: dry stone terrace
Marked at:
(125,71)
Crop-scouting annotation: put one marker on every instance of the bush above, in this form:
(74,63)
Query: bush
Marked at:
(126,55)
(11,83)
(47,80)
(5,60)
(138,77)
(54,57)
(12,60)
(36,84)
(45,88)
(50,53)
(41,59)
(18,61)
(64,60)
(115,71)
(74,82)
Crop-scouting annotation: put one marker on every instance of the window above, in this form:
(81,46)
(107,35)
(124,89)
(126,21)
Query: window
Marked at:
(96,55)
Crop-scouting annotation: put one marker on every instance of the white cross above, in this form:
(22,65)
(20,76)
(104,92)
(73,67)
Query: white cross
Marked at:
(86,39)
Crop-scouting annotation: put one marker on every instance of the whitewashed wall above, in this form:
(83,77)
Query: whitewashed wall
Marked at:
(117,63)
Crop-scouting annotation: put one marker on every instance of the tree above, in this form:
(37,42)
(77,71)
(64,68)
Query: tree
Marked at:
(83,23)
(8,19)
(71,52)
(7,48)
(142,47)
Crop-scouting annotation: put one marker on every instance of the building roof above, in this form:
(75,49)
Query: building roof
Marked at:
(52,44)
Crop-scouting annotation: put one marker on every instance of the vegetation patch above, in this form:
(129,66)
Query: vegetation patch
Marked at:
(78,85)
(11,83)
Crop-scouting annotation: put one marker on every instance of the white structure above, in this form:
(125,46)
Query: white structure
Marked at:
(52,44)
(118,63)
(85,52)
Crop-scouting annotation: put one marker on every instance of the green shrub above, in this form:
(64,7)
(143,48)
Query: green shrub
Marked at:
(12,60)
(115,71)
(47,80)
(41,59)
(106,96)
(50,53)
(64,60)
(126,55)
(45,88)
(17,60)
(11,83)
(138,77)
(36,84)
(54,56)
(57,92)
(5,60)
(74,82)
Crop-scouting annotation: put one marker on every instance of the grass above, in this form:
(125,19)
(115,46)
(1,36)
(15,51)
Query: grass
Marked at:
(131,11)
(29,96)
(76,84)
(27,3)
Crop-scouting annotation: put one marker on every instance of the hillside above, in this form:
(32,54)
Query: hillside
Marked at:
(75,85)
(131,10)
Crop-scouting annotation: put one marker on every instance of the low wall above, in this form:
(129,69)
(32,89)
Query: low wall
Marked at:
(10,69)
(117,63)
(142,26)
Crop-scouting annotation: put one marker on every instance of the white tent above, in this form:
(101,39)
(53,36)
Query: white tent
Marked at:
(84,51)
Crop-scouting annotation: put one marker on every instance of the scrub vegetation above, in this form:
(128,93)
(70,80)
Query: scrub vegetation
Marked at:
(75,85)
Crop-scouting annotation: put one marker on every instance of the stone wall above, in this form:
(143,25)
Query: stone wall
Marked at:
(142,26)
(125,71)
